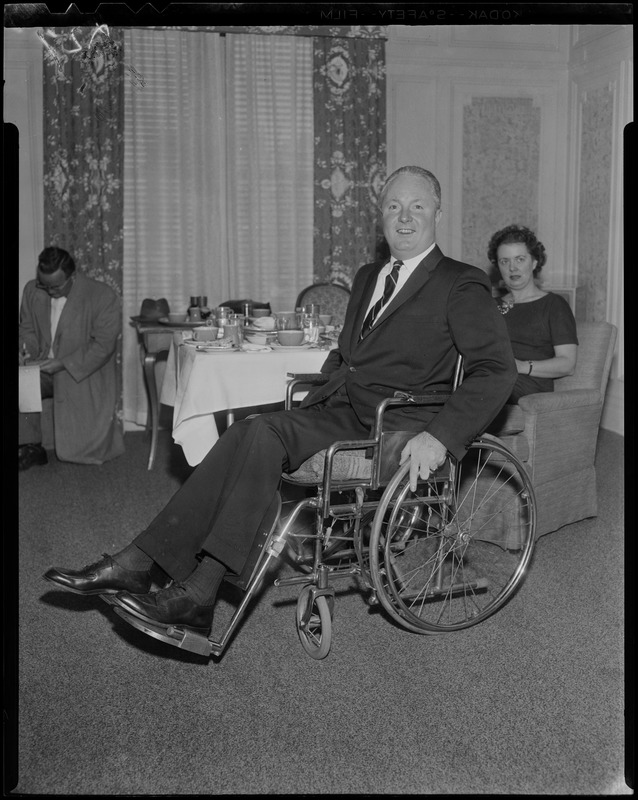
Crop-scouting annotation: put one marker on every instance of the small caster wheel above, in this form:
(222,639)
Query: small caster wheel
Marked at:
(314,624)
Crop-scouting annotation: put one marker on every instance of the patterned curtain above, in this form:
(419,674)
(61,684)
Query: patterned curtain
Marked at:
(350,154)
(83,125)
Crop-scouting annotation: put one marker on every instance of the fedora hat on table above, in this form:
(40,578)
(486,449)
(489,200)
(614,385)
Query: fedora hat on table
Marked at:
(152,310)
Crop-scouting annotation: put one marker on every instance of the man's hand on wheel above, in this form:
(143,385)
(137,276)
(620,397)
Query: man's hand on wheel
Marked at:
(427,454)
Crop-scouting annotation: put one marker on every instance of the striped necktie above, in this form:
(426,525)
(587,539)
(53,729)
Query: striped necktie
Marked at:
(388,289)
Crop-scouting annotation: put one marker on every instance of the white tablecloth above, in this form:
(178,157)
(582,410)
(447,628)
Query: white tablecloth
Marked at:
(199,383)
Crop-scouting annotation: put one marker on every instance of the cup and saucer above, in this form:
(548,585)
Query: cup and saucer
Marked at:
(291,339)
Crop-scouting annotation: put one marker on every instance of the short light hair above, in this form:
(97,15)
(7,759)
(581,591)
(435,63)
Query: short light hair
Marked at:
(420,172)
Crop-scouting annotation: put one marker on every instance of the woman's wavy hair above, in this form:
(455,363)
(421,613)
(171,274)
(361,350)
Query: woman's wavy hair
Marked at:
(515,234)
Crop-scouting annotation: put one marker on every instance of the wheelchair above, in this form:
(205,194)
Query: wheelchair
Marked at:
(440,559)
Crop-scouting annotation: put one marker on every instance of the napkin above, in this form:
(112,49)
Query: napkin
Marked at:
(29,395)
(255,348)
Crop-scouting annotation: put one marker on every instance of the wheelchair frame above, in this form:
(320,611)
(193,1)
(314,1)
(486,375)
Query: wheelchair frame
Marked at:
(430,558)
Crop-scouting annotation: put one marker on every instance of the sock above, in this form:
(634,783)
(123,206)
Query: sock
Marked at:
(203,583)
(133,558)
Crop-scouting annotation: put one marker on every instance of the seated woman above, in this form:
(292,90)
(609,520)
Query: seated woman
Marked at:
(541,325)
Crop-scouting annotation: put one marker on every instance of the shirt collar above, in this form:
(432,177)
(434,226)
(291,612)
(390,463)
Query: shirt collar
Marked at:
(411,264)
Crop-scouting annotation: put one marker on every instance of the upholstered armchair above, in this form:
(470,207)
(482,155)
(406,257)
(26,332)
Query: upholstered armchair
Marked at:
(555,433)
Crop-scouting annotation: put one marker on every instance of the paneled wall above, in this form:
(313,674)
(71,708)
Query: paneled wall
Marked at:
(523,124)
(486,109)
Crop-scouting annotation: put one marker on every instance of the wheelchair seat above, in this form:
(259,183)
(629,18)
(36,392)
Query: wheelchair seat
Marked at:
(354,465)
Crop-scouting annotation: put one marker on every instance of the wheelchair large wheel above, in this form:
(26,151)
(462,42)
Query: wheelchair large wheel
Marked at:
(314,623)
(452,553)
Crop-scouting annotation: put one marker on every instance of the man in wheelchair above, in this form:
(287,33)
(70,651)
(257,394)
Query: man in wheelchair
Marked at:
(406,323)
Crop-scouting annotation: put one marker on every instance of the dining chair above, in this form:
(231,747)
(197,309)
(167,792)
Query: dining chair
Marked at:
(154,343)
(331,297)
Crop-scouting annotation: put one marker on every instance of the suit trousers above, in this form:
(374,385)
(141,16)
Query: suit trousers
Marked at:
(218,510)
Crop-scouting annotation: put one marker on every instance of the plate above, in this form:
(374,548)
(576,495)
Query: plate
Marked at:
(187,324)
(209,347)
(250,329)
(250,347)
(303,346)
(217,351)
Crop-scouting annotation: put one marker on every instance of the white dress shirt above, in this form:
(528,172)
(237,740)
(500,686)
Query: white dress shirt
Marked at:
(409,265)
(57,304)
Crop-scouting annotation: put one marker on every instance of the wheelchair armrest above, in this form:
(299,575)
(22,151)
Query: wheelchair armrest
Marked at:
(406,399)
(544,402)
(430,399)
(313,378)
(298,379)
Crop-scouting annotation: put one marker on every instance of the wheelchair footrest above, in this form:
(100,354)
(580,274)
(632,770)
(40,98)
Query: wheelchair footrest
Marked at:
(181,637)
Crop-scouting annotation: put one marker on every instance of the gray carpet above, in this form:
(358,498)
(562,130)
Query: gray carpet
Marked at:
(530,701)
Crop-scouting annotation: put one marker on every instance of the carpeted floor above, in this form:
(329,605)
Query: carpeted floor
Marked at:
(529,702)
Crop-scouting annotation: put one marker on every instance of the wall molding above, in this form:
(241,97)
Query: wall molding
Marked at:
(617,78)
(23,107)
(537,38)
(552,159)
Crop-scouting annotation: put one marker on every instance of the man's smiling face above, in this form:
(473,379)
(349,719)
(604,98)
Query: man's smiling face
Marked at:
(410,215)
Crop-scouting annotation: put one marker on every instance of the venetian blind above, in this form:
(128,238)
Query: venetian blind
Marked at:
(218,181)
(270,159)
(175,224)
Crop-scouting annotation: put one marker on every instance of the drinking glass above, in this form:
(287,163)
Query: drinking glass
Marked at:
(233,330)
(310,324)
(288,322)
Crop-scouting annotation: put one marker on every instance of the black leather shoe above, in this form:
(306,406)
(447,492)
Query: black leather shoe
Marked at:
(31,455)
(103,577)
(170,606)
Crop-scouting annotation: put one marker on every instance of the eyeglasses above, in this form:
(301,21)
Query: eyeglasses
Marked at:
(48,288)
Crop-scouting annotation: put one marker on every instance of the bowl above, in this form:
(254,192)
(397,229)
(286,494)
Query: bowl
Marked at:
(205,334)
(325,319)
(176,319)
(260,338)
(290,338)
(261,312)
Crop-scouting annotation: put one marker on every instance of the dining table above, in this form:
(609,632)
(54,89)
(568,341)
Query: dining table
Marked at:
(199,382)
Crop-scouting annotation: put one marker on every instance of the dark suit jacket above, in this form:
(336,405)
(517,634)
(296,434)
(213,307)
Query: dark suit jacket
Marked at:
(445,308)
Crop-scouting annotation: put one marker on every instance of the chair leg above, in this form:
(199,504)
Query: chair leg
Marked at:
(153,405)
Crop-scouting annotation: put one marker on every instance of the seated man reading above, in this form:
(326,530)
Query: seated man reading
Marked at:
(70,324)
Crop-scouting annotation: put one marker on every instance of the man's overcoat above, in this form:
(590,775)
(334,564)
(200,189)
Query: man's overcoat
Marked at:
(87,391)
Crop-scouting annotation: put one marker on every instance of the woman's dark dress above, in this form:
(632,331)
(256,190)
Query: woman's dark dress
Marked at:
(535,328)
